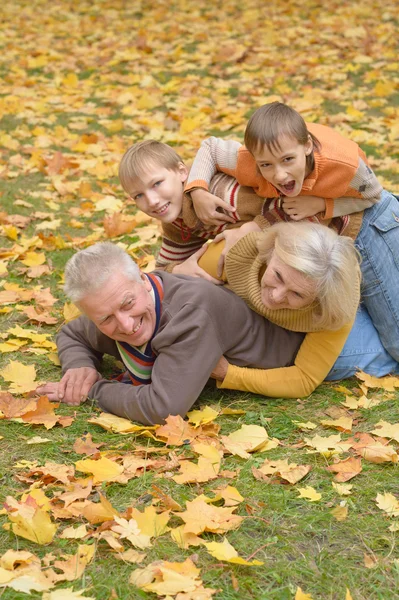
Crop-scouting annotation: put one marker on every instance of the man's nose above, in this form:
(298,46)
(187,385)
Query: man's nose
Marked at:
(125,323)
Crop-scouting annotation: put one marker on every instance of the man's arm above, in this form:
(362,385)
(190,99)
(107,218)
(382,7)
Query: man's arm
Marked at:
(80,348)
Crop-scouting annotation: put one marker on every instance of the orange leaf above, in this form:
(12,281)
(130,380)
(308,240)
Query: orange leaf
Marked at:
(346,469)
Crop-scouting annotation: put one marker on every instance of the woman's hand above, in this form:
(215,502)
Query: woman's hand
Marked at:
(220,371)
(206,207)
(300,207)
(190,267)
(232,236)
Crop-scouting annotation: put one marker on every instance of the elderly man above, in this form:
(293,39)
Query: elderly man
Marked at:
(170,331)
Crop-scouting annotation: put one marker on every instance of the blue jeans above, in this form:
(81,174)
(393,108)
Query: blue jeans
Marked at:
(378,244)
(363,350)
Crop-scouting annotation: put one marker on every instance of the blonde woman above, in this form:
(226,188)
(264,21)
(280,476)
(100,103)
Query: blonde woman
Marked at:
(303,277)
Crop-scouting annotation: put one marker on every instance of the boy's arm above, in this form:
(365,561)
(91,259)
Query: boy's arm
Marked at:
(215,154)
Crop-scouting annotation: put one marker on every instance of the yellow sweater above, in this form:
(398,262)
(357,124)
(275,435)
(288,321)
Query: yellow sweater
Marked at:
(319,350)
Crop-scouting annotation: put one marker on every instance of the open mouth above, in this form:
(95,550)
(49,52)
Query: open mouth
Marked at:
(162,210)
(135,330)
(288,188)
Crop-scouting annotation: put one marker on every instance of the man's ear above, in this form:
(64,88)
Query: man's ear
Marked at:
(146,281)
(183,171)
(309,146)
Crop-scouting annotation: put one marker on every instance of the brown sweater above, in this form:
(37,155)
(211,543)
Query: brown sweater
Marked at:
(200,322)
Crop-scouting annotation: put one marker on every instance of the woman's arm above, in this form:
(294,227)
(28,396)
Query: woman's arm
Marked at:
(315,358)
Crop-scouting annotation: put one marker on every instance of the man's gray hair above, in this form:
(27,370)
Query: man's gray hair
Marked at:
(88,270)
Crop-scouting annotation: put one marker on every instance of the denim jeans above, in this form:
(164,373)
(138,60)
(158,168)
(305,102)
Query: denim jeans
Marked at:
(363,350)
(378,244)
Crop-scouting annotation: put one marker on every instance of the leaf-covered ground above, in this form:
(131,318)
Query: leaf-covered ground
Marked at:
(80,82)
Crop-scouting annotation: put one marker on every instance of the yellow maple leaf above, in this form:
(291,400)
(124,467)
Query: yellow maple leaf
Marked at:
(200,517)
(388,503)
(34,259)
(225,551)
(340,513)
(131,531)
(328,446)
(29,521)
(150,522)
(74,533)
(185,540)
(163,577)
(342,424)
(70,312)
(309,493)
(102,469)
(388,430)
(22,377)
(387,383)
(343,489)
(119,425)
(199,417)
(248,438)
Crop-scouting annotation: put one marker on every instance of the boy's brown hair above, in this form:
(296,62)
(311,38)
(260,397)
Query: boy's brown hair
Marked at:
(138,157)
(271,121)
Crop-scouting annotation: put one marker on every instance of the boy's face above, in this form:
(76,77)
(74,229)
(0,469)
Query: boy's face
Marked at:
(285,168)
(158,192)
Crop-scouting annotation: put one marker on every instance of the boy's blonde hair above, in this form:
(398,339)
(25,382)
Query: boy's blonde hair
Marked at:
(140,156)
(329,260)
(270,122)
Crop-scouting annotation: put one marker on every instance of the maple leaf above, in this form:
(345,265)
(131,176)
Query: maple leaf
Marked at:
(289,472)
(167,578)
(42,317)
(309,493)
(207,468)
(185,540)
(72,533)
(346,469)
(29,521)
(130,530)
(388,430)
(327,446)
(340,513)
(118,424)
(343,489)
(387,383)
(100,512)
(150,522)
(176,431)
(200,417)
(43,413)
(22,377)
(73,565)
(225,551)
(66,594)
(249,438)
(388,503)
(102,469)
(15,407)
(199,517)
(85,445)
(300,595)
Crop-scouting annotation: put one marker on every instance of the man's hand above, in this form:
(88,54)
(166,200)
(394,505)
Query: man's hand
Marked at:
(300,207)
(232,236)
(73,387)
(220,371)
(206,205)
(190,267)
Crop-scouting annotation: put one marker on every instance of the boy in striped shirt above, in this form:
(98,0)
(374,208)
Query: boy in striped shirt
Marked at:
(153,175)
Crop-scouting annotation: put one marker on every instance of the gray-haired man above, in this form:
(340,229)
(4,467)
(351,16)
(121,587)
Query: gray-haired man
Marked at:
(170,331)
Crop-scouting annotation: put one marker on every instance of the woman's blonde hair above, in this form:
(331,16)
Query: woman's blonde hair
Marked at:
(142,155)
(327,259)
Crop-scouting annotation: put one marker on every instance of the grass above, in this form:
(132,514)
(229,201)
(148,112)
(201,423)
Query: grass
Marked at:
(136,68)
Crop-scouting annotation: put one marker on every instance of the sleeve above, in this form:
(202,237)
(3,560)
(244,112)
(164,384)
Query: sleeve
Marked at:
(315,358)
(174,249)
(215,154)
(189,339)
(366,184)
(81,344)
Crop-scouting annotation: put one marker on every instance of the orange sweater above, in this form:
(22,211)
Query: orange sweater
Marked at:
(340,174)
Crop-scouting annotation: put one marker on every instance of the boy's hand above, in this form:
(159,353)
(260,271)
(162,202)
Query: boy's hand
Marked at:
(232,236)
(206,205)
(300,207)
(190,267)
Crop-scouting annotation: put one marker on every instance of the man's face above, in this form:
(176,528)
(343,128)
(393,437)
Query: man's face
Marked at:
(158,192)
(122,309)
(285,167)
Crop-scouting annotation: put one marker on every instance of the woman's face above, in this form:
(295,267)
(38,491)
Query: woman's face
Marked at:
(285,287)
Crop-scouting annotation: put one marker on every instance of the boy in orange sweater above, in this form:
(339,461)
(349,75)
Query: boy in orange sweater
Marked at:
(311,171)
